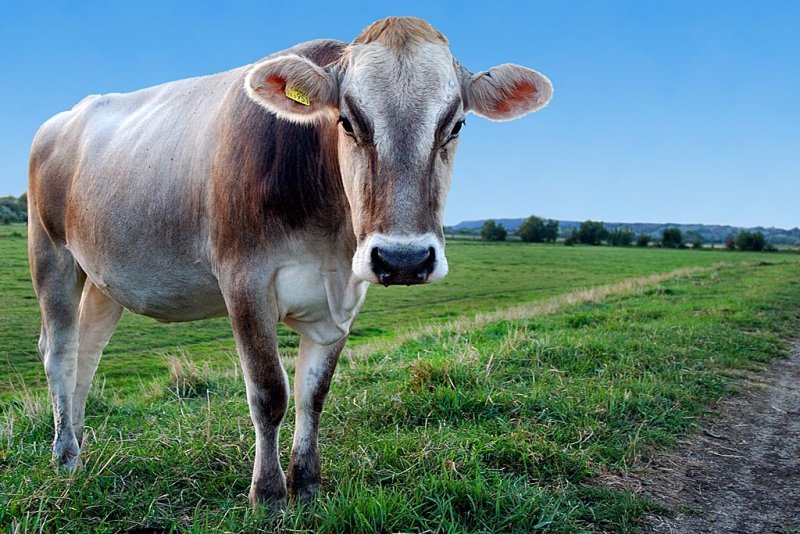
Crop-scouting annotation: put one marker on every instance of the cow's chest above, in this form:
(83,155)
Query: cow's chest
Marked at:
(319,304)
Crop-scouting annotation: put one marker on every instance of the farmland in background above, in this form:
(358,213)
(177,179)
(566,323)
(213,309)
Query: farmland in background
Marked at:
(510,426)
(483,276)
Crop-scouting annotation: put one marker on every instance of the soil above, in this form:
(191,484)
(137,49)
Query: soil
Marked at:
(741,473)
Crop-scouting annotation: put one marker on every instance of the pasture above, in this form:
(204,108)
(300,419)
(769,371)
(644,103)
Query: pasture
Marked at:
(514,424)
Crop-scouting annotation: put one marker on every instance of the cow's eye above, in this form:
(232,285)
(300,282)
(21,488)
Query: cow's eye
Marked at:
(457,128)
(455,131)
(346,126)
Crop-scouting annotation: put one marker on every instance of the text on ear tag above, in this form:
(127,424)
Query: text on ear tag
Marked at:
(298,96)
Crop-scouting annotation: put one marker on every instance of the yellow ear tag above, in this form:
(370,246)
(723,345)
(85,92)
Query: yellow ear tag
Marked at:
(298,96)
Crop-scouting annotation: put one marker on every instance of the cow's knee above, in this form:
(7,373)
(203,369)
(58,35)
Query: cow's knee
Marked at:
(268,400)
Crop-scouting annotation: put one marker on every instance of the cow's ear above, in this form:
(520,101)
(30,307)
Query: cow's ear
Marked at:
(293,88)
(506,92)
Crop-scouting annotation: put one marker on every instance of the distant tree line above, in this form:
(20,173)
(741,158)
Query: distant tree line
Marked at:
(14,210)
(492,231)
(745,240)
(532,230)
(693,235)
(536,229)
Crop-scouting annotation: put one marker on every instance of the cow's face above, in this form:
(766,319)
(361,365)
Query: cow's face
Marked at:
(400,101)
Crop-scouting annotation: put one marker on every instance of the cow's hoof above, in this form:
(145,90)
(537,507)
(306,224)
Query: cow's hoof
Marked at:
(303,484)
(66,456)
(306,494)
(268,501)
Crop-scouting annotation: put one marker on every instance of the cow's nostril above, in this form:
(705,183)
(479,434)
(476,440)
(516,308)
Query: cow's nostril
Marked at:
(402,265)
(426,267)
(381,267)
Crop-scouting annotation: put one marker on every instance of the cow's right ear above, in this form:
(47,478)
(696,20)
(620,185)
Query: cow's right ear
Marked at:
(506,92)
(293,88)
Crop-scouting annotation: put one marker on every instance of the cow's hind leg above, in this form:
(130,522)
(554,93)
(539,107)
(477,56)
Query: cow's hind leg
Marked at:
(99,315)
(254,325)
(58,282)
(312,379)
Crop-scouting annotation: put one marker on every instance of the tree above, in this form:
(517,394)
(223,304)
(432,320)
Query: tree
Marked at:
(493,232)
(532,230)
(592,232)
(500,234)
(730,242)
(6,215)
(643,240)
(750,241)
(551,230)
(13,210)
(697,242)
(620,237)
(572,238)
(671,238)
(758,242)
(22,204)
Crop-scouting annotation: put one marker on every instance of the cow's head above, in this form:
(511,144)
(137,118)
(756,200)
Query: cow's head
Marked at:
(400,100)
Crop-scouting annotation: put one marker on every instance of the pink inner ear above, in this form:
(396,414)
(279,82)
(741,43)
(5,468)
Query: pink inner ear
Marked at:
(275,88)
(522,93)
(271,87)
(277,85)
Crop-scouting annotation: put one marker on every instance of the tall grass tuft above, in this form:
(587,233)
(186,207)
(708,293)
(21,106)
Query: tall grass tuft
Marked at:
(186,380)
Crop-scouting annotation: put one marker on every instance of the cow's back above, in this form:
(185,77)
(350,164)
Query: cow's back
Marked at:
(130,151)
(123,180)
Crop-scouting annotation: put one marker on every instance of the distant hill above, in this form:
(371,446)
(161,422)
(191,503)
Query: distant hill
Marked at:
(709,233)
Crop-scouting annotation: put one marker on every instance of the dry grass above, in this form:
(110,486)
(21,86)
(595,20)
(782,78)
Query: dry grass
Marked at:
(185,377)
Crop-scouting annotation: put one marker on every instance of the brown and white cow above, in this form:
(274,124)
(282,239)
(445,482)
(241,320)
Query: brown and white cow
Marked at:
(273,192)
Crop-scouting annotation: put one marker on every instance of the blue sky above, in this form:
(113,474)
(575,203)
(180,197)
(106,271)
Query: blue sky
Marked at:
(671,111)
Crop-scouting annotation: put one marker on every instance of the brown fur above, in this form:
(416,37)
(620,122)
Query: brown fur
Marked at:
(271,175)
(397,32)
(50,176)
(381,216)
(372,193)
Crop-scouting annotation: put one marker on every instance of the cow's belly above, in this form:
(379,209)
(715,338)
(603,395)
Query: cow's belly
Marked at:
(320,305)
(162,286)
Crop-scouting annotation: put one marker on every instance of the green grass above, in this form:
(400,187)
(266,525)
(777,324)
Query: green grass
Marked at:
(511,427)
(482,277)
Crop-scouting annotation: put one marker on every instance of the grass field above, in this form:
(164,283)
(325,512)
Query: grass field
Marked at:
(510,426)
(482,277)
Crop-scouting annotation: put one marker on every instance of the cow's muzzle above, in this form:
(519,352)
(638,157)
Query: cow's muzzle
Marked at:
(403,265)
(400,259)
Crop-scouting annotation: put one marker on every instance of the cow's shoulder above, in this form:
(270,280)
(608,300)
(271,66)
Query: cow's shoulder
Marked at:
(272,177)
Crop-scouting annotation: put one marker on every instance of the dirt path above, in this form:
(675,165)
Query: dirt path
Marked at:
(742,472)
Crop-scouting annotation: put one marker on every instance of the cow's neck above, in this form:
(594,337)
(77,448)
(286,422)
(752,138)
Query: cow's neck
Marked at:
(272,178)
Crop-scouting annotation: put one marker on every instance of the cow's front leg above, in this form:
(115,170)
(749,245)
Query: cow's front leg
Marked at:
(253,318)
(315,365)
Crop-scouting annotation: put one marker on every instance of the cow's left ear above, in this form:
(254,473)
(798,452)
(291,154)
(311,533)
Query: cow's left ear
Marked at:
(293,88)
(506,92)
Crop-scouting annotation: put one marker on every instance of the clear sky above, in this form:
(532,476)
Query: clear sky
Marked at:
(669,111)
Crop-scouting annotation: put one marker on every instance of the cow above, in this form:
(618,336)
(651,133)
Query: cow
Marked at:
(274,192)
